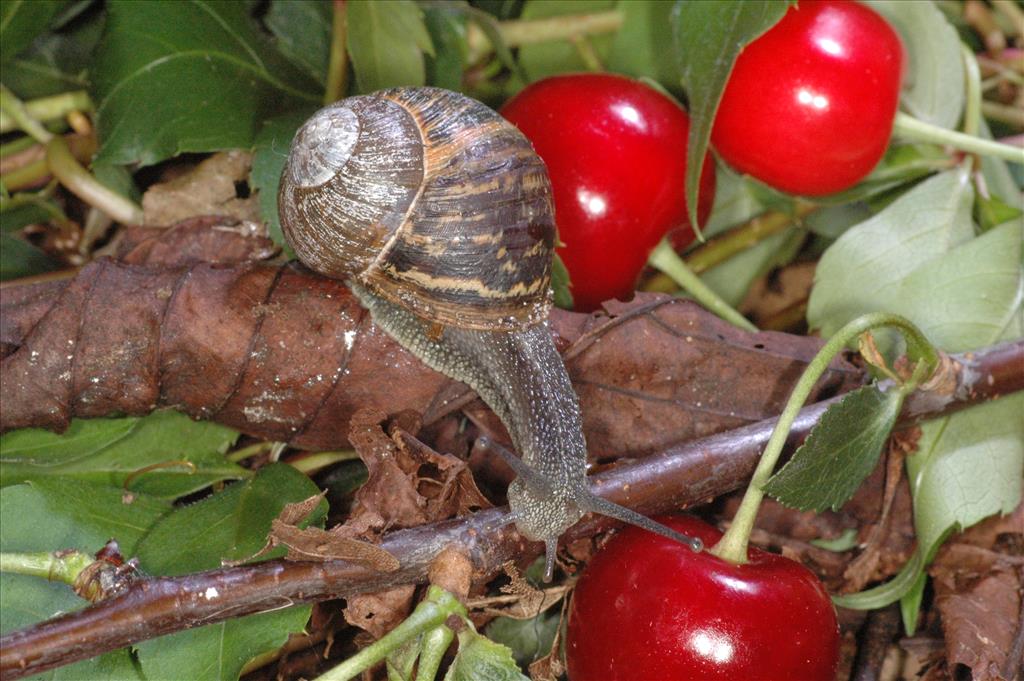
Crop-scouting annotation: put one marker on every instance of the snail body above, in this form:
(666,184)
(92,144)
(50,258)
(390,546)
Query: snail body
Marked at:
(438,215)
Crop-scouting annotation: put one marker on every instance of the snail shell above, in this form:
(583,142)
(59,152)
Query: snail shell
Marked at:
(429,199)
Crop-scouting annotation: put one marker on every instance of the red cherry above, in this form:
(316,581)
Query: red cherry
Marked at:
(809,107)
(648,607)
(616,154)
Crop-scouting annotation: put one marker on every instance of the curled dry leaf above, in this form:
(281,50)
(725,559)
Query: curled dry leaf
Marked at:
(978,592)
(379,613)
(285,355)
(313,543)
(408,483)
(216,186)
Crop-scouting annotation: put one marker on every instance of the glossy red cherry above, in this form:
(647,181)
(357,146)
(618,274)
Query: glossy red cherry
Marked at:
(648,607)
(616,154)
(809,107)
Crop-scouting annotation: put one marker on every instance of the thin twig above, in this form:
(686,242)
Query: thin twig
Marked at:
(678,477)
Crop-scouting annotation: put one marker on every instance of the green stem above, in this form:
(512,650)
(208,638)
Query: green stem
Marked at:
(22,119)
(58,566)
(49,108)
(82,184)
(15,146)
(733,545)
(312,463)
(910,128)
(665,259)
(532,31)
(435,644)
(721,248)
(437,607)
(972,108)
(1009,114)
(337,67)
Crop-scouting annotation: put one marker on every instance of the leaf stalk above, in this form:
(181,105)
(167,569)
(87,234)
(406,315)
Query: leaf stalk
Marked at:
(733,545)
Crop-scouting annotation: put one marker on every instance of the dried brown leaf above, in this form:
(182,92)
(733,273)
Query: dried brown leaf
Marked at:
(210,188)
(379,613)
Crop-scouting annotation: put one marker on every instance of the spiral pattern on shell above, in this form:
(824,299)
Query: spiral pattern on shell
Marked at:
(427,198)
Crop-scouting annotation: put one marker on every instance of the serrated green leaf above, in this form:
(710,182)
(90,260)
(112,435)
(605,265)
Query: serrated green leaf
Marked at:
(917,258)
(480,659)
(861,270)
(109,450)
(22,20)
(934,83)
(303,32)
(188,76)
(232,524)
(541,60)
(386,42)
(841,450)
(708,36)
(270,152)
(59,514)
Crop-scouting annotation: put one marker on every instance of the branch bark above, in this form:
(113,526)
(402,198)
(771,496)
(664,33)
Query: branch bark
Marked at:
(677,477)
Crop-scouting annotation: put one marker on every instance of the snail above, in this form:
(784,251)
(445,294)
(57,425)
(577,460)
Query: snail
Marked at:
(438,215)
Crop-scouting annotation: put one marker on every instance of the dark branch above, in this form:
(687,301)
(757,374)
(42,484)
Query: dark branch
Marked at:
(678,477)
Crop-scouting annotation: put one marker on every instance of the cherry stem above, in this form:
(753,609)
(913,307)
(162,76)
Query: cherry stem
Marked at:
(665,259)
(914,130)
(532,31)
(733,544)
(432,612)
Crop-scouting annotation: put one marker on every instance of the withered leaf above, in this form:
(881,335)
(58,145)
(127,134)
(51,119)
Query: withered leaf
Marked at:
(285,355)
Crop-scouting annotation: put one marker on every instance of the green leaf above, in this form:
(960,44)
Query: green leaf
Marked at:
(21,21)
(529,639)
(59,514)
(188,76)
(917,258)
(992,211)
(844,542)
(386,42)
(560,284)
(708,37)
(270,153)
(840,452)
(480,659)
(934,83)
(540,60)
(19,258)
(863,269)
(447,28)
(56,61)
(303,32)
(910,604)
(232,524)
(884,594)
(968,466)
(640,47)
(109,450)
